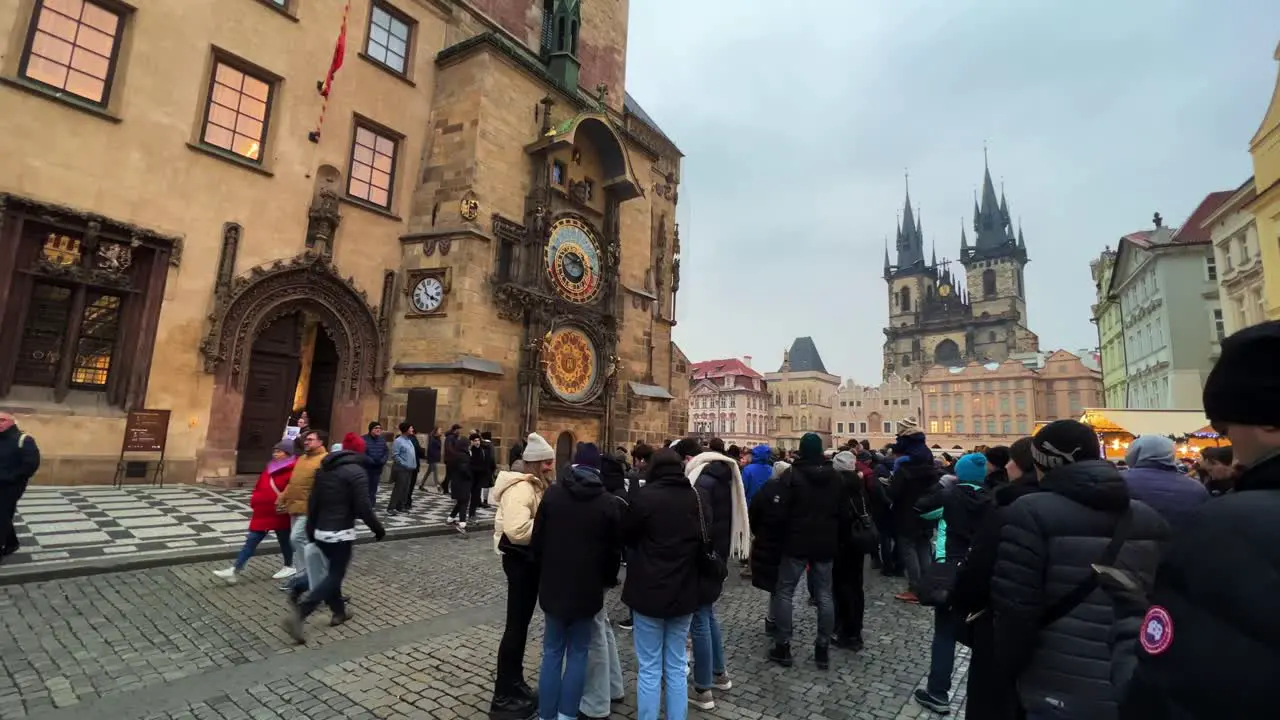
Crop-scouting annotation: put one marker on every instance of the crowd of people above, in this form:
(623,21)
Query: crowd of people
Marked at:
(1086,589)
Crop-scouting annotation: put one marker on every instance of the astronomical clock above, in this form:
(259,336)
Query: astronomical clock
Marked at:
(557,271)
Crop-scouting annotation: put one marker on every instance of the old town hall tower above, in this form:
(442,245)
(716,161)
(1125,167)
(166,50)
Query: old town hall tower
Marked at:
(940,318)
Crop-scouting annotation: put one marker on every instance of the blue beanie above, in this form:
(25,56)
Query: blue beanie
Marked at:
(972,468)
(588,454)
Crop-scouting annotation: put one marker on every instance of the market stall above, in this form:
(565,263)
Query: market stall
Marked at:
(1189,430)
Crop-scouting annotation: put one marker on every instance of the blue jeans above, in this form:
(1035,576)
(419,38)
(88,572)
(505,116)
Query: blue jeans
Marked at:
(659,650)
(255,537)
(942,653)
(708,648)
(604,671)
(564,646)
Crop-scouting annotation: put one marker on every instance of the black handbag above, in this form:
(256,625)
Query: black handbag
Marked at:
(710,565)
(862,536)
(937,582)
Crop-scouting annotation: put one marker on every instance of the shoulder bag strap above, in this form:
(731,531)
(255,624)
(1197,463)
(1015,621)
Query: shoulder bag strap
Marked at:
(1077,595)
(702,523)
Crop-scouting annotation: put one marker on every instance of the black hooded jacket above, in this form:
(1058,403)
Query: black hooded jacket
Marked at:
(661,530)
(340,495)
(577,540)
(1218,584)
(715,482)
(768,517)
(1047,546)
(817,511)
(911,482)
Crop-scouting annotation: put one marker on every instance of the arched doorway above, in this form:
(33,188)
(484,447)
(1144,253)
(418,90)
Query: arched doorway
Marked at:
(288,317)
(293,366)
(564,449)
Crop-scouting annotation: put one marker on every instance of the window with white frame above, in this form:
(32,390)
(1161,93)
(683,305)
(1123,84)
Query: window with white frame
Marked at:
(1219,327)
(1211,268)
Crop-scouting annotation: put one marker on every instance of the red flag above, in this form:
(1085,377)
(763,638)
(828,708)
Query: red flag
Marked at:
(339,50)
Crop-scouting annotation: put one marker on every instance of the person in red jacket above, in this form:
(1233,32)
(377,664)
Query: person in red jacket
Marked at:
(265,518)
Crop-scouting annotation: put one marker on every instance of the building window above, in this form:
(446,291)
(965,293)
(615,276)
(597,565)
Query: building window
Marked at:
(946,426)
(933,426)
(1211,268)
(389,33)
(1006,426)
(858,403)
(72,46)
(1020,402)
(238,107)
(1051,403)
(83,304)
(960,426)
(933,404)
(373,165)
(1022,426)
(991,426)
(946,405)
(1073,398)
(886,403)
(988,283)
(888,428)
(1004,403)
(1219,328)
(840,427)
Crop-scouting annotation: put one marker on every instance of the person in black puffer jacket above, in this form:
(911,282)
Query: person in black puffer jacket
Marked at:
(1066,668)
(961,509)
(768,525)
(817,511)
(1210,645)
(989,697)
(663,536)
(577,543)
(339,496)
(847,570)
(915,475)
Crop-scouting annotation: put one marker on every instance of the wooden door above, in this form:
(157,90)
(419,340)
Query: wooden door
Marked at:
(564,449)
(268,394)
(324,381)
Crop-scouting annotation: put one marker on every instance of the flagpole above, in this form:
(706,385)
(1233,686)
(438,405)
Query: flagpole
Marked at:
(324,86)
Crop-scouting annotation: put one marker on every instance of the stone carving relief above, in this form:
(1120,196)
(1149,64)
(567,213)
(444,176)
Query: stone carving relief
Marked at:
(308,282)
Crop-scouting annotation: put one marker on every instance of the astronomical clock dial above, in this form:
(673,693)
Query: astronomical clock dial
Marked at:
(428,294)
(944,290)
(573,261)
(572,365)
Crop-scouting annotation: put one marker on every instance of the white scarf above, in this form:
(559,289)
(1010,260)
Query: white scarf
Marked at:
(740,533)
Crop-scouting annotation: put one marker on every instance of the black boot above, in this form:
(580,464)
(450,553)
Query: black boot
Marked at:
(852,643)
(511,708)
(781,654)
(822,656)
(529,693)
(770,627)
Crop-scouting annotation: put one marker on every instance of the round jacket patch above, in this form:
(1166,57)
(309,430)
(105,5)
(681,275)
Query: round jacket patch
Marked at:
(1157,631)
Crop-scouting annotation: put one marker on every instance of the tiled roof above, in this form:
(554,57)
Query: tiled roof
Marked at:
(804,356)
(720,368)
(630,105)
(1192,232)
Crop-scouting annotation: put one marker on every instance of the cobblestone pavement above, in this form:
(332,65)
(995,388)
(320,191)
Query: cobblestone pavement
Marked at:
(175,643)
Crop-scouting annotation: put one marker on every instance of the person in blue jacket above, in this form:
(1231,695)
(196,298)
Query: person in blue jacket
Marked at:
(758,471)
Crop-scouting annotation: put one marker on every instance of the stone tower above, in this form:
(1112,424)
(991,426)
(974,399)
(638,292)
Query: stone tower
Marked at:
(937,318)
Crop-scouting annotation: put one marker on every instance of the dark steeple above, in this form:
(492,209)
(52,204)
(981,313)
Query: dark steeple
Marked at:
(991,219)
(803,357)
(888,269)
(910,241)
(562,58)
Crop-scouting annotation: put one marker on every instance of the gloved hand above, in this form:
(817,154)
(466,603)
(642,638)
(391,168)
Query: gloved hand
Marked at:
(379,534)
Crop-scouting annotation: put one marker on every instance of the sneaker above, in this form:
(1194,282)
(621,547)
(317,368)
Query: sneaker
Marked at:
(284,572)
(931,701)
(721,681)
(822,656)
(461,527)
(229,574)
(781,654)
(627,625)
(293,625)
(452,519)
(907,597)
(701,699)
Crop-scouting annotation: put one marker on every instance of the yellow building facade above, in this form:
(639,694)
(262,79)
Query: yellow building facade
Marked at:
(1265,207)
(480,231)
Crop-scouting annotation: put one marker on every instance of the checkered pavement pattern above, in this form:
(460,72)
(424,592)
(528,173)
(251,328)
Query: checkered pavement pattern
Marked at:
(58,524)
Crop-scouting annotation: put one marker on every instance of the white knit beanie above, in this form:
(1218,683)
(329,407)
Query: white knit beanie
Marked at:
(536,449)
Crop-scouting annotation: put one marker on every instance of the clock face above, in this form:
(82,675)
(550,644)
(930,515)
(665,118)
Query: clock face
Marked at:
(427,295)
(572,366)
(573,261)
(944,290)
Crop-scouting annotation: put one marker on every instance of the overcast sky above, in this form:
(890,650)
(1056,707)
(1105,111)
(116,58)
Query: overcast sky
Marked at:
(798,120)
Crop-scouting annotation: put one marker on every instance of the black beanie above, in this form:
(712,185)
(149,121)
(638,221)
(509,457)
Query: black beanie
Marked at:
(587,454)
(1244,385)
(688,447)
(1062,442)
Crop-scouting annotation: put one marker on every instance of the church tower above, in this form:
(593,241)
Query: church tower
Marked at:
(912,284)
(994,270)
